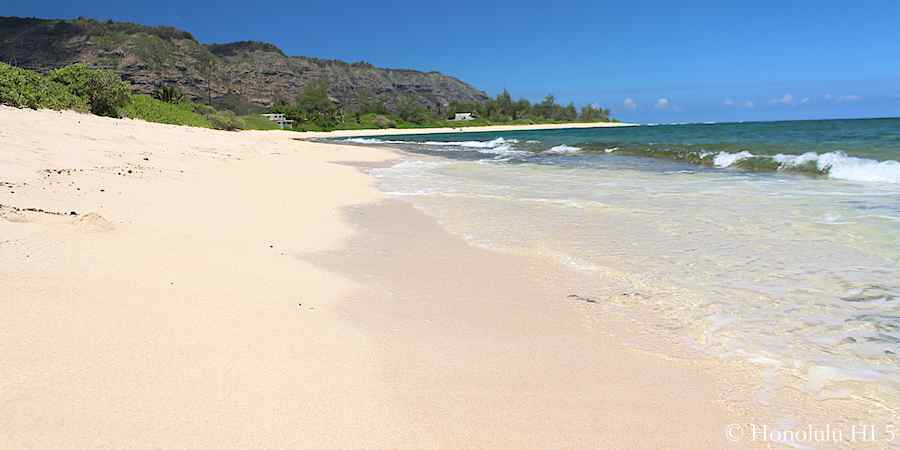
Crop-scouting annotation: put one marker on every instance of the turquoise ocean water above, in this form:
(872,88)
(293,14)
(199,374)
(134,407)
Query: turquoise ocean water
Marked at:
(776,243)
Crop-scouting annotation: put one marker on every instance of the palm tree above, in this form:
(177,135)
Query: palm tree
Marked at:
(169,94)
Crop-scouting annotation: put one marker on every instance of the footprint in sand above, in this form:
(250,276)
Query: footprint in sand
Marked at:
(93,222)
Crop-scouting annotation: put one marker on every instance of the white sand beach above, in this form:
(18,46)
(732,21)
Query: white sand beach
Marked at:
(174,287)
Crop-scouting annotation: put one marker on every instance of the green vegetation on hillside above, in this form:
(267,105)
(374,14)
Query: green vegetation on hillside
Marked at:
(182,112)
(147,108)
(83,89)
(257,122)
(97,27)
(104,92)
(235,48)
(244,77)
(26,89)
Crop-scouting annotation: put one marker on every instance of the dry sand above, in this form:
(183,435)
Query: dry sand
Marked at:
(248,290)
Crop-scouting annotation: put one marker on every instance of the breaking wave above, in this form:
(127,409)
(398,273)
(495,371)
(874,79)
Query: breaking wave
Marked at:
(493,143)
(368,141)
(725,159)
(499,146)
(836,165)
(839,165)
(562,150)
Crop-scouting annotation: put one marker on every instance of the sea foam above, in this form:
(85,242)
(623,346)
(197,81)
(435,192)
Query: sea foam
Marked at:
(837,165)
(562,150)
(725,159)
(494,143)
(500,146)
(843,167)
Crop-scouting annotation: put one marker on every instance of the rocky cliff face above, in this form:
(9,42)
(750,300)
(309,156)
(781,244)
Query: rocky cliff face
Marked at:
(244,76)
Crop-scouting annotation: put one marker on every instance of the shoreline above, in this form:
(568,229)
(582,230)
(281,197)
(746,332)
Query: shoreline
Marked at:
(451,130)
(219,289)
(502,340)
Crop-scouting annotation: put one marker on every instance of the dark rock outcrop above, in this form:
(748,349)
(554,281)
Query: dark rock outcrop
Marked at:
(243,76)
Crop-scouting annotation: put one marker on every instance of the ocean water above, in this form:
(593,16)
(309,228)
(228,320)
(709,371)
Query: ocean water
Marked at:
(774,243)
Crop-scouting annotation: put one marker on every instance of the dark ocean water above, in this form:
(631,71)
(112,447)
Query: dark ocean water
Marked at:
(860,149)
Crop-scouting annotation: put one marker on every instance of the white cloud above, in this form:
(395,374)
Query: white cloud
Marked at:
(804,101)
(630,104)
(662,103)
(843,98)
(786,99)
(738,104)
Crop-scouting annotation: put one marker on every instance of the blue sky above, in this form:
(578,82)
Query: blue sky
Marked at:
(648,61)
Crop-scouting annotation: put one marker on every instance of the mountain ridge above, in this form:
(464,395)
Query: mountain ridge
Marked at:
(244,76)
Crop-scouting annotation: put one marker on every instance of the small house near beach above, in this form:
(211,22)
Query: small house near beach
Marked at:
(282,121)
(463,116)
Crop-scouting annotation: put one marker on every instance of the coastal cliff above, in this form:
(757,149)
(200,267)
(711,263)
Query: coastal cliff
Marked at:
(243,76)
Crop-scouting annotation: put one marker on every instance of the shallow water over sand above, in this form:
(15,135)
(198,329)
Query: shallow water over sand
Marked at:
(786,271)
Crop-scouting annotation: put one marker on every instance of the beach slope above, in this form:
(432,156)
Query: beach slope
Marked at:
(173,287)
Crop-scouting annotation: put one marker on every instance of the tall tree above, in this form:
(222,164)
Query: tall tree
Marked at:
(315,105)
(570,113)
(521,109)
(411,110)
(547,107)
(368,103)
(504,104)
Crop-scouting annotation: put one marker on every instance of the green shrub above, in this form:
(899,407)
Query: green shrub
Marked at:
(169,94)
(381,121)
(204,109)
(257,122)
(225,120)
(315,105)
(23,88)
(411,110)
(144,107)
(237,103)
(104,92)
(153,50)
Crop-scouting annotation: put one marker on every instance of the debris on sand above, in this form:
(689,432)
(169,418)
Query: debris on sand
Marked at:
(581,299)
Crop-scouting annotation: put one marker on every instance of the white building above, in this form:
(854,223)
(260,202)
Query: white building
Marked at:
(464,116)
(280,120)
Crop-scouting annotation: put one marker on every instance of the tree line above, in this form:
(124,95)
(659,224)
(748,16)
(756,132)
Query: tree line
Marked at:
(314,108)
(503,108)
